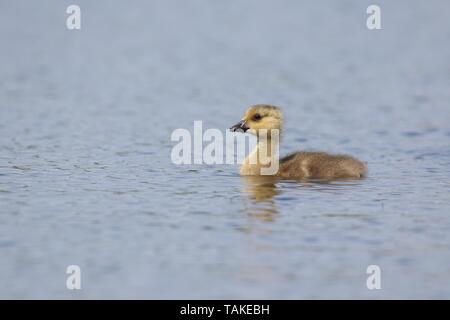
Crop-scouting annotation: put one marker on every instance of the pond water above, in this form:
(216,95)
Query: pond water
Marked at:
(86,176)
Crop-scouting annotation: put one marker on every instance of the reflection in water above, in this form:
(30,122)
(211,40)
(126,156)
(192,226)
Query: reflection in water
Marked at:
(261,190)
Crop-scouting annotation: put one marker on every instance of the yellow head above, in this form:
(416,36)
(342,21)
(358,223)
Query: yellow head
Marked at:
(260,116)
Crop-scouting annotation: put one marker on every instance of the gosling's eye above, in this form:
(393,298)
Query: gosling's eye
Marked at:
(256,117)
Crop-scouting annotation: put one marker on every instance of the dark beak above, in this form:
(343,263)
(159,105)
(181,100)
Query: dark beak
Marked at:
(239,127)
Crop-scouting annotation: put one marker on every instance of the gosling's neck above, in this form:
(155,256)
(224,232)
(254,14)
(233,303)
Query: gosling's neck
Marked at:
(264,158)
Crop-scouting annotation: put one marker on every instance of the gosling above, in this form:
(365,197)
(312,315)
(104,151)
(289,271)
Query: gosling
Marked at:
(298,165)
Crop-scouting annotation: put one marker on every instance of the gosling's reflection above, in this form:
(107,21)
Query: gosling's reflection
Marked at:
(261,190)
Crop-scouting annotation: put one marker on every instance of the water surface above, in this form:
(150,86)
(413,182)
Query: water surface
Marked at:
(85,171)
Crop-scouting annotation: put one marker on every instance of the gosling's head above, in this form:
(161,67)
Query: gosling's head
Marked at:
(260,116)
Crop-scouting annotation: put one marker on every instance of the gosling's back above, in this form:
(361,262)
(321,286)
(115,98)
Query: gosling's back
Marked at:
(320,165)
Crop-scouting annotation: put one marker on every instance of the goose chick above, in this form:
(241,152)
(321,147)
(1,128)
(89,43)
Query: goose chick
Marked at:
(298,165)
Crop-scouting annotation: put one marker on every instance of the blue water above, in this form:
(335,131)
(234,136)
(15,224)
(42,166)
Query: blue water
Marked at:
(86,176)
